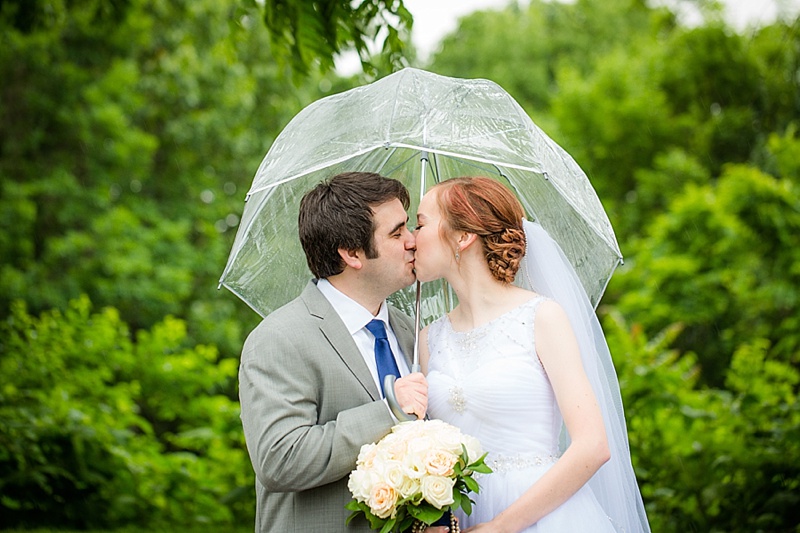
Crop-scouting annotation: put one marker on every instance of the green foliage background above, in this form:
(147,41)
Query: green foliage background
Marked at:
(130,131)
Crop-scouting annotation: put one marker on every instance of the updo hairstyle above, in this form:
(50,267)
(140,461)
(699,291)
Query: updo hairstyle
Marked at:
(489,210)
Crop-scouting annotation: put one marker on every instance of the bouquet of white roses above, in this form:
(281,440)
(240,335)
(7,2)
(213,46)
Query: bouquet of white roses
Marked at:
(419,471)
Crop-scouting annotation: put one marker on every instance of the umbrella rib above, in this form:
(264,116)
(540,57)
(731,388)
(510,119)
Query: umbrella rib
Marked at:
(613,244)
(332,162)
(379,170)
(320,166)
(406,160)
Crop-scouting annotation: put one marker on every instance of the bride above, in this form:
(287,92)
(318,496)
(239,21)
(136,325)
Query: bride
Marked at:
(523,367)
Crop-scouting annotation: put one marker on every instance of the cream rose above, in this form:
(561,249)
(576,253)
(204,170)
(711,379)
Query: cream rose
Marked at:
(382,499)
(438,490)
(439,462)
(367,454)
(395,448)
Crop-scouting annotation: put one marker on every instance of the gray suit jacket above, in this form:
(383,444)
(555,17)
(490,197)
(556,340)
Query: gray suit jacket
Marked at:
(308,405)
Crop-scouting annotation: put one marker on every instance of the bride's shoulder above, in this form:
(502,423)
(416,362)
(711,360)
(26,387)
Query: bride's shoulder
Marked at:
(549,312)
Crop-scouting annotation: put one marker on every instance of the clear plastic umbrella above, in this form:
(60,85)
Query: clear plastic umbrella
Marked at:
(419,128)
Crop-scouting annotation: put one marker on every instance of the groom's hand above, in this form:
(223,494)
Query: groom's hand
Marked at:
(412,394)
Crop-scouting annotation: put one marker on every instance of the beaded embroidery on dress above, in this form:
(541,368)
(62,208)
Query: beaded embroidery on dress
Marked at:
(490,383)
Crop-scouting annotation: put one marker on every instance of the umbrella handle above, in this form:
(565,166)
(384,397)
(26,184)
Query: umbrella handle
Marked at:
(391,398)
(388,382)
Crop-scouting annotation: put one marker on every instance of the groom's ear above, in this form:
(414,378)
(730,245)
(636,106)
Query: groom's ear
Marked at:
(352,258)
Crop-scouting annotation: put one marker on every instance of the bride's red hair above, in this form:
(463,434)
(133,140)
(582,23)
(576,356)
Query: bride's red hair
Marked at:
(486,208)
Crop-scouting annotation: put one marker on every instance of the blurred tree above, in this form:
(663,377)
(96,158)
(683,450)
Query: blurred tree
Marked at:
(723,260)
(523,48)
(309,34)
(615,121)
(707,93)
(127,144)
(101,430)
(709,459)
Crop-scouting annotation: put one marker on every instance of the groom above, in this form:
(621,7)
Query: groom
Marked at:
(309,381)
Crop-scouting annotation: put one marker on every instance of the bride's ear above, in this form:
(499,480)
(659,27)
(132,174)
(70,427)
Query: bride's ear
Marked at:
(465,240)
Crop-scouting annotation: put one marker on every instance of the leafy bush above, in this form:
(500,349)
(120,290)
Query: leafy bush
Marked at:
(99,430)
(710,459)
(723,260)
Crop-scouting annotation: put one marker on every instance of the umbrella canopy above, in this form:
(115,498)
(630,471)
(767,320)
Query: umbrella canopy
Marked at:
(419,128)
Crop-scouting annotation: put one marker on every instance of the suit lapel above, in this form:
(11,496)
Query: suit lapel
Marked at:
(339,338)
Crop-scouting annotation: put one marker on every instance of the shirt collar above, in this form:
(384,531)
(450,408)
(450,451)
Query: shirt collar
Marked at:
(354,315)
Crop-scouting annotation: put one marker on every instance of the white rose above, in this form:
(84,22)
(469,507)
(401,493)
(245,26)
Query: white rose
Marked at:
(439,462)
(382,499)
(420,445)
(438,490)
(360,484)
(474,449)
(409,487)
(414,464)
(394,473)
(410,430)
(449,438)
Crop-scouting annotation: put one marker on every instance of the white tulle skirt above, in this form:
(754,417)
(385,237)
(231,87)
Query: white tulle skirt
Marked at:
(581,513)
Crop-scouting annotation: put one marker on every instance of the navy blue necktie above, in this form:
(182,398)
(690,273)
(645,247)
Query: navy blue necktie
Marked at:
(383,352)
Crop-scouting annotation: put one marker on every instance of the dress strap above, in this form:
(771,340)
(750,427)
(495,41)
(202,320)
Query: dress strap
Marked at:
(536,301)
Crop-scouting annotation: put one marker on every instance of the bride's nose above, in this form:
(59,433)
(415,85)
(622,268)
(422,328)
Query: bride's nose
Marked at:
(411,241)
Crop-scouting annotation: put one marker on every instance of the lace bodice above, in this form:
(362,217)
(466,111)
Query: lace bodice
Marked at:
(490,383)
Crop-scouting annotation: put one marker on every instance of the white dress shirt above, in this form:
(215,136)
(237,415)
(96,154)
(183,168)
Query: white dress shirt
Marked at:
(355,318)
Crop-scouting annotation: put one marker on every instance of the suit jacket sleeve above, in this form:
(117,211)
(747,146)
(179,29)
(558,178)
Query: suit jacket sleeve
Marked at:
(305,414)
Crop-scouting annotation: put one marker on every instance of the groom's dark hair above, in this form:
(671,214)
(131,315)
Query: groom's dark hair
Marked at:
(337,213)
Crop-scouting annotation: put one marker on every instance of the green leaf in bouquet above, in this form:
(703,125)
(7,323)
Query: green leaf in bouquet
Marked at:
(388,526)
(406,523)
(479,465)
(357,508)
(472,484)
(354,505)
(466,505)
(426,512)
(456,498)
(375,522)
(481,468)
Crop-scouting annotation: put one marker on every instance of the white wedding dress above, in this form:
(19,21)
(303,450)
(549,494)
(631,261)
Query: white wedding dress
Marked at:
(490,383)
